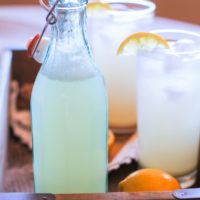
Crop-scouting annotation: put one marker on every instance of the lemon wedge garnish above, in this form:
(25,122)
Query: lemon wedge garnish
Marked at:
(98,6)
(141,40)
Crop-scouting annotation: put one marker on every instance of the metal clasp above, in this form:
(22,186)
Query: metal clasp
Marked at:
(50,19)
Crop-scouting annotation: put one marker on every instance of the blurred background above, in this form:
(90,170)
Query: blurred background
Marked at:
(184,10)
(12,20)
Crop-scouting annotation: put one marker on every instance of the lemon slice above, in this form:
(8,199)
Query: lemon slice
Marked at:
(98,6)
(141,40)
(111,140)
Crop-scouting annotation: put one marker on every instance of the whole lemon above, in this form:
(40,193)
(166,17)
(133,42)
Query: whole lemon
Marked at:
(149,180)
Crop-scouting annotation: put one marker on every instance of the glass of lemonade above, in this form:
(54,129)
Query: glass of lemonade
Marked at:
(168,105)
(106,32)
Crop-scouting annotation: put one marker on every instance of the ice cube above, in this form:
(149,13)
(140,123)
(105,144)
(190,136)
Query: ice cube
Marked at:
(184,45)
(172,63)
(173,93)
(177,88)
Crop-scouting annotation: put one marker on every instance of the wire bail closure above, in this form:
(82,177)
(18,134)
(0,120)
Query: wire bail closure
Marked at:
(50,19)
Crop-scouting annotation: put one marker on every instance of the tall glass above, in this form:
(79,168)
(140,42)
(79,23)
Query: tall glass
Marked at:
(106,32)
(168,106)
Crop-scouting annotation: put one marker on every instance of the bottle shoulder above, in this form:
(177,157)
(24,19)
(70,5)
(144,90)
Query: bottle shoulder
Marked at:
(94,84)
(69,66)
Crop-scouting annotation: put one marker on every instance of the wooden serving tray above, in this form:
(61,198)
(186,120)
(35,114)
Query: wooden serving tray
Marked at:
(106,196)
(24,70)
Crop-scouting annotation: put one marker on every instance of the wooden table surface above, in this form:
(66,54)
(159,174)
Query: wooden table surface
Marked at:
(118,196)
(114,178)
(106,196)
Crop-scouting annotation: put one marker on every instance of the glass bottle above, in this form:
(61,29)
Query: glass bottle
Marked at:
(69,110)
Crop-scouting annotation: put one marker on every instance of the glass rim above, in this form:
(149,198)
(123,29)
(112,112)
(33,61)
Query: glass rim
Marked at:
(196,50)
(149,8)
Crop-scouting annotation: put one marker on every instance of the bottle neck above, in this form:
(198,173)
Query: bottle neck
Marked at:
(69,56)
(69,33)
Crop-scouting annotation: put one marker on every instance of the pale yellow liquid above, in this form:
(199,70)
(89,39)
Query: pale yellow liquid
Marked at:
(119,73)
(168,115)
(69,135)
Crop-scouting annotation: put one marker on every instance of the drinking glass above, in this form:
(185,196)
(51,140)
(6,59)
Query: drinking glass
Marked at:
(168,105)
(106,32)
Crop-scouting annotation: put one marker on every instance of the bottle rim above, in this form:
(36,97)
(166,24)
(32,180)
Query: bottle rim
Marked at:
(70,5)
